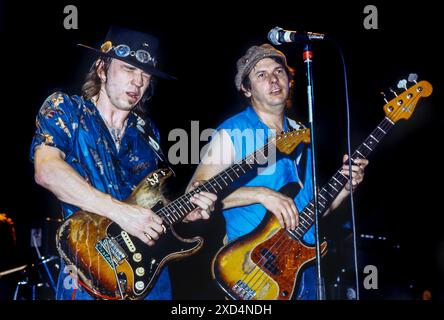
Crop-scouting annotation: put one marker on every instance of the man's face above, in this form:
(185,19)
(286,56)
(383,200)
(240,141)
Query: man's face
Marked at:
(125,84)
(269,84)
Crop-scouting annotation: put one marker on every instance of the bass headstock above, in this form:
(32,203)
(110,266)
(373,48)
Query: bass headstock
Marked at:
(404,103)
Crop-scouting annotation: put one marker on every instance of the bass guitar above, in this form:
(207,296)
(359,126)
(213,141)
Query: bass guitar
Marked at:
(265,264)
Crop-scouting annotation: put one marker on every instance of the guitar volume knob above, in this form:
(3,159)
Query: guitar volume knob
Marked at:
(137,257)
(140,285)
(140,271)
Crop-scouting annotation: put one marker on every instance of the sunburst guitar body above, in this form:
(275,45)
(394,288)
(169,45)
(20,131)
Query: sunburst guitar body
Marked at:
(264,264)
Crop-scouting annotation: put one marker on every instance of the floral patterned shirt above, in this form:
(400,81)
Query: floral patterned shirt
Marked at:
(75,126)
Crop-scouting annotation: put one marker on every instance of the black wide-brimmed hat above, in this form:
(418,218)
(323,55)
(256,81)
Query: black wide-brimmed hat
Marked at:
(136,48)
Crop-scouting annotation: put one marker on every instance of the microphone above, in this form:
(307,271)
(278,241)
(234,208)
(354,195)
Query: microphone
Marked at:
(278,36)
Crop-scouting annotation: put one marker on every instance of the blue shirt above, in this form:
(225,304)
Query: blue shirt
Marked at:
(242,220)
(75,126)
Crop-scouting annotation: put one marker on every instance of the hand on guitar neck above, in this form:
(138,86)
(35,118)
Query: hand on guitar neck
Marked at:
(146,225)
(357,178)
(357,171)
(205,201)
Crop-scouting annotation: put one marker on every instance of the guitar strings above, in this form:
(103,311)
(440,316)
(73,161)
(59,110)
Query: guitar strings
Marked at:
(218,179)
(263,276)
(281,243)
(387,126)
(185,198)
(189,194)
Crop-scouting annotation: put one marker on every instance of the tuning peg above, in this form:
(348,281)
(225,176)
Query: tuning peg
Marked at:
(384,97)
(402,84)
(413,77)
(393,91)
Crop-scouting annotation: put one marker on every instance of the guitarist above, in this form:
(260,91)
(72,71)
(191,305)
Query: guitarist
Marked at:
(92,150)
(265,81)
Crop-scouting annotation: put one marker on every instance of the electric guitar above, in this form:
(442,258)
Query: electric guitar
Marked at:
(265,264)
(112,264)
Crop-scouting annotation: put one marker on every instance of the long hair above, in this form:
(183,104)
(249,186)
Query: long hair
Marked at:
(290,74)
(92,84)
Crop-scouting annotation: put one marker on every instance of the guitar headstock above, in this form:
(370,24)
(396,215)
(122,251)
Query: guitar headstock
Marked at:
(287,142)
(403,104)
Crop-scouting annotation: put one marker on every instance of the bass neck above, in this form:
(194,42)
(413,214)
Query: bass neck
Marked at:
(333,187)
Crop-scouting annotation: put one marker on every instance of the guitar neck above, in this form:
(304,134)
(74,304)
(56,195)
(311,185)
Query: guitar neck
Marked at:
(331,189)
(178,209)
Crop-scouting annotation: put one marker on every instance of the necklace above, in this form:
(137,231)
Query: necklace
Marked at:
(116,133)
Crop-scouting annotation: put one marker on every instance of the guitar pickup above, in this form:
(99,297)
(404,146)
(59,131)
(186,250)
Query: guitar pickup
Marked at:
(129,243)
(111,251)
(269,261)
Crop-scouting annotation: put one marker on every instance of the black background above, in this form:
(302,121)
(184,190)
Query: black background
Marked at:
(200,43)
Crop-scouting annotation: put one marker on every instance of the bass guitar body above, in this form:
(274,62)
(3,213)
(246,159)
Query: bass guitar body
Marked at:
(264,264)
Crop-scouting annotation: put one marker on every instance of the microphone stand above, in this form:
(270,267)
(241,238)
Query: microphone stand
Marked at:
(308,62)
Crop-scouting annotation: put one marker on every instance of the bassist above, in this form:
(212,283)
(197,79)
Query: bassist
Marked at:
(265,82)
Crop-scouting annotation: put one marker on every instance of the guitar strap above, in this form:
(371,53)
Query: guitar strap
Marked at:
(302,165)
(300,162)
(149,136)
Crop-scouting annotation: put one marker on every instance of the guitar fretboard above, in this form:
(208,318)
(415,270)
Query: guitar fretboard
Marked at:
(182,206)
(331,189)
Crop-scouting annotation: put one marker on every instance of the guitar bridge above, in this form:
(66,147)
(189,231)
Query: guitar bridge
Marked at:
(243,290)
(111,251)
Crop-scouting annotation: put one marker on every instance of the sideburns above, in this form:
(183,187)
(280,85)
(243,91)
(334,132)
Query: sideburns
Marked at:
(101,71)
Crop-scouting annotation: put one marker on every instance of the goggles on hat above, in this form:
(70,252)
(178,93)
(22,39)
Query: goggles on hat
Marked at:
(122,50)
